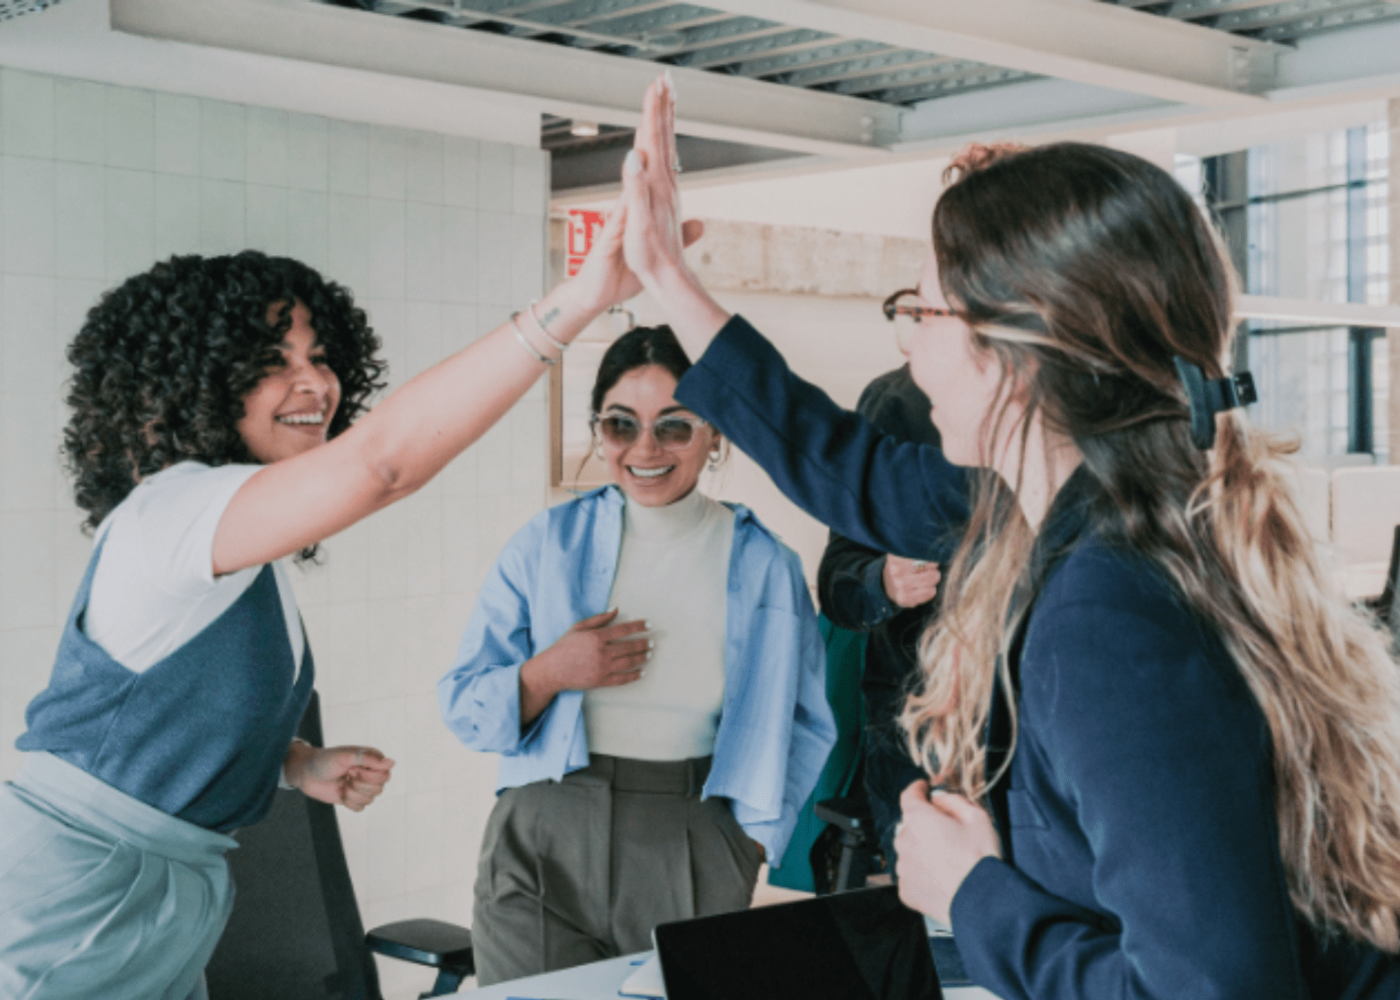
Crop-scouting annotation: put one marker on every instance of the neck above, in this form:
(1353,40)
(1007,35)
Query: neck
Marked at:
(1050,460)
(674,519)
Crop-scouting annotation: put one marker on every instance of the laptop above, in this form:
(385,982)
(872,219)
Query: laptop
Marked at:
(858,945)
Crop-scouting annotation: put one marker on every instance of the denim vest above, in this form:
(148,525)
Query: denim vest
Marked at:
(200,735)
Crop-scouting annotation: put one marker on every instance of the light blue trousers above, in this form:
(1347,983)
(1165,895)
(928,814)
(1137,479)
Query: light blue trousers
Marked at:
(102,895)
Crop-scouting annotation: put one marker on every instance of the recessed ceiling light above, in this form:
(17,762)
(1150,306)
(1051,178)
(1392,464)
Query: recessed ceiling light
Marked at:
(583,128)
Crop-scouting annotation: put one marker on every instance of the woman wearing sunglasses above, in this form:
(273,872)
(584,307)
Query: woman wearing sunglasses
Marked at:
(1188,738)
(647,662)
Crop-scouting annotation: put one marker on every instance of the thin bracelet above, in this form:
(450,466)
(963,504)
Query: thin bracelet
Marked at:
(561,348)
(527,345)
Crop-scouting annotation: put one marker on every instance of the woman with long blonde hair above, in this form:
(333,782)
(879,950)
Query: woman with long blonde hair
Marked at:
(1166,750)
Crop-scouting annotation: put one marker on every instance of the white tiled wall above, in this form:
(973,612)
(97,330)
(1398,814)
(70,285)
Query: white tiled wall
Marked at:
(438,237)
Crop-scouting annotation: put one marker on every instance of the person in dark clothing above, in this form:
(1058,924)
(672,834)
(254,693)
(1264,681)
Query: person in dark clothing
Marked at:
(1165,746)
(892,599)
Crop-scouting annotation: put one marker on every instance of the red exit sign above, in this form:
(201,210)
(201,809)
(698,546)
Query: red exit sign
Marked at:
(584,227)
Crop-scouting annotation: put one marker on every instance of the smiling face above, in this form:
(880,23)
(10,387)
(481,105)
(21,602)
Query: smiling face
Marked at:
(648,473)
(290,410)
(962,382)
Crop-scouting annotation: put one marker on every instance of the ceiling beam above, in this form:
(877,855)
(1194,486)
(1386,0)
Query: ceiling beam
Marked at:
(570,82)
(1100,44)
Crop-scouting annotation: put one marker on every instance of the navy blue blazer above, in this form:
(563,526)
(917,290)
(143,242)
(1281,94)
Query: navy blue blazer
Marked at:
(1140,847)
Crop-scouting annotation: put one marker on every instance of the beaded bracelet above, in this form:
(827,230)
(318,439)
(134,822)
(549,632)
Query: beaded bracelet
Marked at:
(561,348)
(520,336)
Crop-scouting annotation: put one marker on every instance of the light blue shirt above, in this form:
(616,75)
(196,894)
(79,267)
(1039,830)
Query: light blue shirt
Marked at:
(775,729)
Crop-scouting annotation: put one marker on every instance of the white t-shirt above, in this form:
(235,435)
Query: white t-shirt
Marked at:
(154,588)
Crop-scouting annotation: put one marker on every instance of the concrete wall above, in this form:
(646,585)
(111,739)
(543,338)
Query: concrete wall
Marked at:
(439,237)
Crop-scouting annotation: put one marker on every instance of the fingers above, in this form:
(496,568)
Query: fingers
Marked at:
(645,135)
(370,761)
(914,796)
(666,126)
(621,630)
(622,677)
(596,621)
(957,806)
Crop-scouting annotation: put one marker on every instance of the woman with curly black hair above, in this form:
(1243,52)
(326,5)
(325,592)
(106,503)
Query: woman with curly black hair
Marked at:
(213,433)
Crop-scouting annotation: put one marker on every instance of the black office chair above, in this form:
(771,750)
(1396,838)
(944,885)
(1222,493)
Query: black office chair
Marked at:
(1383,607)
(846,853)
(295,932)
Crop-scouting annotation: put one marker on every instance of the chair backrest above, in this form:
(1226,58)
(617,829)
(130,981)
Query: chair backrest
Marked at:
(295,932)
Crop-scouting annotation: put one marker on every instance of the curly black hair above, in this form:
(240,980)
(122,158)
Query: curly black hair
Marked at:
(164,361)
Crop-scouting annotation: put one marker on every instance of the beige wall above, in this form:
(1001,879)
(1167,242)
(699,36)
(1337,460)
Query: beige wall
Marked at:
(439,237)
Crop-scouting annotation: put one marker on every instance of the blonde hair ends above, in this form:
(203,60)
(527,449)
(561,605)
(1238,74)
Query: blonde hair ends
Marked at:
(1115,264)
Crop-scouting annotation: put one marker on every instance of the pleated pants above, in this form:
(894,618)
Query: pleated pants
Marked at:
(582,869)
(101,895)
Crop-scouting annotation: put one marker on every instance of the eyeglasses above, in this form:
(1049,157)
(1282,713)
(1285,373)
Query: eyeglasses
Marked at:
(671,432)
(905,302)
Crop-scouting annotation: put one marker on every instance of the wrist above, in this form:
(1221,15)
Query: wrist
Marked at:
(574,310)
(537,679)
(669,278)
(299,754)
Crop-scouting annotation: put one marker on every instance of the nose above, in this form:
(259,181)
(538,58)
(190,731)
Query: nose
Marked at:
(647,443)
(311,377)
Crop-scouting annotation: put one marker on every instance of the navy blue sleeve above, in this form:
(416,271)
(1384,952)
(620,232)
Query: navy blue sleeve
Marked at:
(895,497)
(1146,851)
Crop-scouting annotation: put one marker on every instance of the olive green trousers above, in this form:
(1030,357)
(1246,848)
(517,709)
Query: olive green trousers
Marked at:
(582,869)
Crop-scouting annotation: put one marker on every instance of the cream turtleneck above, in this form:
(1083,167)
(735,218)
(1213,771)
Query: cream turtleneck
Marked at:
(673,571)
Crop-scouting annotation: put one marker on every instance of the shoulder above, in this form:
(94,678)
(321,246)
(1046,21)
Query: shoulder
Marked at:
(568,524)
(1109,626)
(754,534)
(758,547)
(1098,575)
(184,485)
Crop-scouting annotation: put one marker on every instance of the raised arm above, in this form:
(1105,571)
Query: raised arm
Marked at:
(409,437)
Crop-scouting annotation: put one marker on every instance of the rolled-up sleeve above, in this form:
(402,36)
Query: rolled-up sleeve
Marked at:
(480,696)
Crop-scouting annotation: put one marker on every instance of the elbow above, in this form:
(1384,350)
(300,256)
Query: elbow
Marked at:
(391,481)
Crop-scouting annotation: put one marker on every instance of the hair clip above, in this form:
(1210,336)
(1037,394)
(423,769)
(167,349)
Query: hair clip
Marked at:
(1207,397)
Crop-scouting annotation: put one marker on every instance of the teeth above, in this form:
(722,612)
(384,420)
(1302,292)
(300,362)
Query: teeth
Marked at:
(649,473)
(302,418)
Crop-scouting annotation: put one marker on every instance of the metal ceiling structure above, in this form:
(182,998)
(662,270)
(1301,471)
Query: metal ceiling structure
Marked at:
(771,51)
(827,82)
(1271,21)
(695,37)
(14,8)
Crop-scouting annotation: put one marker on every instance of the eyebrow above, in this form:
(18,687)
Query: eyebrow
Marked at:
(665,412)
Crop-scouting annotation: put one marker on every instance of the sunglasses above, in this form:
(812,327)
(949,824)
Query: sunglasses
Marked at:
(672,431)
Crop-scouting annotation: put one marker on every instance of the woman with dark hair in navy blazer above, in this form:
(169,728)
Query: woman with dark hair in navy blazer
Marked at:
(1166,748)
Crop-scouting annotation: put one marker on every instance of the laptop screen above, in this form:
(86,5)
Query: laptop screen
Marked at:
(860,945)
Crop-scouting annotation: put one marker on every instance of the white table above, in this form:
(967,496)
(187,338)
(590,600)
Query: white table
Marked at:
(600,980)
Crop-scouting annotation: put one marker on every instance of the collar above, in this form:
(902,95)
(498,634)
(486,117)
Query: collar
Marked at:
(673,521)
